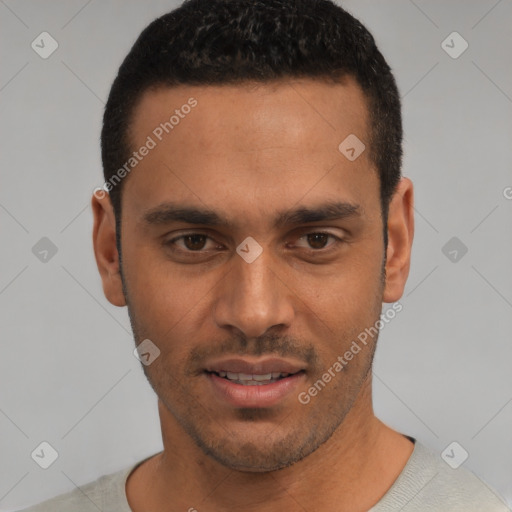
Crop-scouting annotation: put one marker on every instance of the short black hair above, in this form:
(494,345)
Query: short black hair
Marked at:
(212,42)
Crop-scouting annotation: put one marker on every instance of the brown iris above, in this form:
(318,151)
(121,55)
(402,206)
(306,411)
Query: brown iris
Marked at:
(194,242)
(317,240)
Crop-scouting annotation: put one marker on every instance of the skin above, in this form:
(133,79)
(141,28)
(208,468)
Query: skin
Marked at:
(247,152)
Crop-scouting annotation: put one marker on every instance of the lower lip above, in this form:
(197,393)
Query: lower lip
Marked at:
(265,395)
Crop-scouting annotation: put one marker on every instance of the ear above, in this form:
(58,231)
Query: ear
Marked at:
(400,235)
(105,249)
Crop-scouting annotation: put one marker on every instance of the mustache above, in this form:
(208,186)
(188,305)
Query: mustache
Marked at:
(240,345)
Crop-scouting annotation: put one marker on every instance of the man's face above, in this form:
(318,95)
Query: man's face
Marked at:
(249,155)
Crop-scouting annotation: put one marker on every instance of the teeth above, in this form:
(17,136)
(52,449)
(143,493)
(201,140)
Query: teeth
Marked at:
(253,382)
(248,378)
(267,376)
(245,376)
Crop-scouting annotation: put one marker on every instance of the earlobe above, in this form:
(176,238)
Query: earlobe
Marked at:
(105,249)
(400,236)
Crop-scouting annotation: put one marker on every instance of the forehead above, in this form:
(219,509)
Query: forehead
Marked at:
(252,148)
(301,111)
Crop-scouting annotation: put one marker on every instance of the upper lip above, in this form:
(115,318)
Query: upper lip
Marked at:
(258,367)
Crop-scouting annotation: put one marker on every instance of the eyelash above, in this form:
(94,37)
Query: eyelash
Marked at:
(337,241)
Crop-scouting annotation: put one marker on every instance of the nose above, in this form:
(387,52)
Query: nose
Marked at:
(254,297)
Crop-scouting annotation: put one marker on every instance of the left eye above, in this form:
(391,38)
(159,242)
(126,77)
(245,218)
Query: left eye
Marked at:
(193,242)
(319,240)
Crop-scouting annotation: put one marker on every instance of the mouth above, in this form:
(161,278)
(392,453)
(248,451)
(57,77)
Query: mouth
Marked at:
(254,383)
(253,379)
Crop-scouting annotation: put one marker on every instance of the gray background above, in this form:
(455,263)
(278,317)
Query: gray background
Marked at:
(67,372)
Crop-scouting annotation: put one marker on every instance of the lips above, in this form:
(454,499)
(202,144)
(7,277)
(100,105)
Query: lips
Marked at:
(254,383)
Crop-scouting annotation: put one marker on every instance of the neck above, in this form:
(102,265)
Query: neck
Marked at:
(350,471)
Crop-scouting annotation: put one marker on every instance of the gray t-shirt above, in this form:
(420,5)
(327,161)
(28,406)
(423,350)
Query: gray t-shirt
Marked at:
(426,484)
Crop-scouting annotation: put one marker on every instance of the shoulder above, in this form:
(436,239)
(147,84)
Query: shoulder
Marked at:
(105,493)
(427,483)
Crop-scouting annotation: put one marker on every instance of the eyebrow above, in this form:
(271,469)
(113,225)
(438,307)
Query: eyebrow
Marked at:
(169,212)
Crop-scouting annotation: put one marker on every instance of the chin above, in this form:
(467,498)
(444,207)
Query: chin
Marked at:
(252,459)
(262,453)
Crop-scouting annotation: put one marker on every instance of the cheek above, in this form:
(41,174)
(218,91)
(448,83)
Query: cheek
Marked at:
(154,285)
(168,305)
(348,290)
(340,306)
